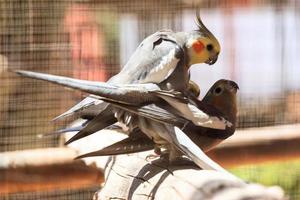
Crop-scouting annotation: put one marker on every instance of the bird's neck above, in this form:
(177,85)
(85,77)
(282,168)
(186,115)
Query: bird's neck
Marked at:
(227,108)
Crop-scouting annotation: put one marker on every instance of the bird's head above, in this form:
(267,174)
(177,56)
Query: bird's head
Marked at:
(202,45)
(222,95)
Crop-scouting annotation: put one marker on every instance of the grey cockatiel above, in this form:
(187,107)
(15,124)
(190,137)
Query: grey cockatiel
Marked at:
(162,58)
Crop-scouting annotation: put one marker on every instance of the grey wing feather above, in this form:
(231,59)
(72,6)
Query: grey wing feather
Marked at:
(198,112)
(152,111)
(85,107)
(133,144)
(101,121)
(189,148)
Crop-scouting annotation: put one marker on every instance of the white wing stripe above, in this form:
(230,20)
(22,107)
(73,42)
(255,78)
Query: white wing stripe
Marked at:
(197,155)
(163,70)
(197,116)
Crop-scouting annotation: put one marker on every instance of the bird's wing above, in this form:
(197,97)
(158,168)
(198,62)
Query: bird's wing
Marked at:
(199,113)
(189,148)
(87,107)
(154,60)
(136,142)
(151,111)
(178,107)
(101,121)
(168,115)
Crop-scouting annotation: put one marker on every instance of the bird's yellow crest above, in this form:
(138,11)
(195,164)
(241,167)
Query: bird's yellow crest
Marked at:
(203,46)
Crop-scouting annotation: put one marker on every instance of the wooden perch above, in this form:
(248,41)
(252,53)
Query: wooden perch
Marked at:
(133,177)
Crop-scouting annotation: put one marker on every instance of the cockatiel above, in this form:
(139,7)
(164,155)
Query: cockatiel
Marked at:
(162,58)
(176,134)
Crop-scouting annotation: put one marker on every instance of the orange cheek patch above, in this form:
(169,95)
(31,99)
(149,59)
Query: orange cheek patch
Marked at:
(198,46)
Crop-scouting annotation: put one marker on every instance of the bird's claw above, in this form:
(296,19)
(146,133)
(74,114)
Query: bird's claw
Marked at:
(151,157)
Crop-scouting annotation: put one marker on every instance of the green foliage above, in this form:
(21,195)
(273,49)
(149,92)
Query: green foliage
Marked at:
(285,174)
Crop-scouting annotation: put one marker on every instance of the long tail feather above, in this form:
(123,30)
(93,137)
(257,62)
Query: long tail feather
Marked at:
(130,94)
(189,148)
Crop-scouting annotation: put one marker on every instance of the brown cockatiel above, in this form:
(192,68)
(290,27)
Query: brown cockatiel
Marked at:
(176,134)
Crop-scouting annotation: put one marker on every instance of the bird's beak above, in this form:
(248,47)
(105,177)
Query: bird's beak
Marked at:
(212,59)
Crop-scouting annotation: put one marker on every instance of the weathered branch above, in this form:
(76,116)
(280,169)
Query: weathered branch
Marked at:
(133,177)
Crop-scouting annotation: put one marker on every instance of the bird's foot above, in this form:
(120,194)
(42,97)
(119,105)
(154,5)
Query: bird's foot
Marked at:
(151,157)
(157,154)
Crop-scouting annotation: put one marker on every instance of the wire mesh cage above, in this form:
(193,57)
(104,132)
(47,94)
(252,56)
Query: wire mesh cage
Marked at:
(92,40)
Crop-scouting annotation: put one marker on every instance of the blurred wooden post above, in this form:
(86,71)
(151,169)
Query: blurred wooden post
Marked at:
(45,169)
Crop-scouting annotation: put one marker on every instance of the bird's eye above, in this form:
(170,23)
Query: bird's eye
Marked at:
(209,47)
(218,90)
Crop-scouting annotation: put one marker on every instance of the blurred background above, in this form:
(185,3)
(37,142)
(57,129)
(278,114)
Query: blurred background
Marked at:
(93,39)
